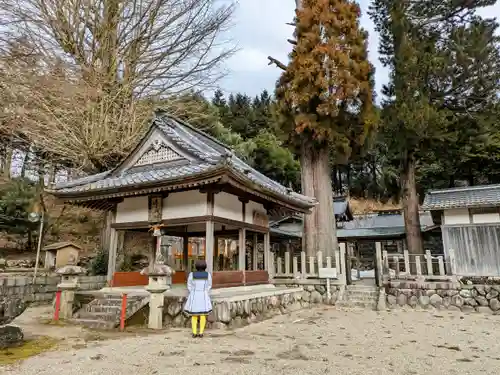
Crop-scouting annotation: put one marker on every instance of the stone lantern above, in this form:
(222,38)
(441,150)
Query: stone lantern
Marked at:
(159,281)
(68,286)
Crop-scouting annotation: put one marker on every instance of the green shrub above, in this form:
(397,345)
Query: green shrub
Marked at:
(99,265)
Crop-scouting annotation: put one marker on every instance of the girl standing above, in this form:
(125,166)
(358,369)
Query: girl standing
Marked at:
(198,304)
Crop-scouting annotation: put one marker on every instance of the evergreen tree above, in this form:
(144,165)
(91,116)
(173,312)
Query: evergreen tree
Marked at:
(326,84)
(444,64)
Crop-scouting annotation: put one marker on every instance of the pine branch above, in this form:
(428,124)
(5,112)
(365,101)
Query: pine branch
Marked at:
(278,63)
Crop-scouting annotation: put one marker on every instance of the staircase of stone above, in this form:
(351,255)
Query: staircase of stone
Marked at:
(361,296)
(104,311)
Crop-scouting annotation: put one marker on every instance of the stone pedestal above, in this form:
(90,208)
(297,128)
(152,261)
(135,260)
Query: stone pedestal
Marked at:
(381,305)
(68,286)
(160,280)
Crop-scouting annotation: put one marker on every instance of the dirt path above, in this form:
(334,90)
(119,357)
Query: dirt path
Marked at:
(318,341)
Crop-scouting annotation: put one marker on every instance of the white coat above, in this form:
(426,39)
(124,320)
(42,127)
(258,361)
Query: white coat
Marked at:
(198,301)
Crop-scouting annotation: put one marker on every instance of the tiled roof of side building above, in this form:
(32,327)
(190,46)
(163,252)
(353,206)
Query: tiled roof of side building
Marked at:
(463,197)
(208,155)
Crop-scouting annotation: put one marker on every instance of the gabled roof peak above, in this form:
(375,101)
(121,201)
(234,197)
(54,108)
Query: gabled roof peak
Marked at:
(189,154)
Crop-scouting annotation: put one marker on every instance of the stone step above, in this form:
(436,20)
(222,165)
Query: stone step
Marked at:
(93,323)
(361,289)
(350,304)
(371,294)
(104,316)
(113,302)
(361,299)
(102,309)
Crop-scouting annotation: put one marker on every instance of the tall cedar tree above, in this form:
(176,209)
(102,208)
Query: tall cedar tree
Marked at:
(438,80)
(326,83)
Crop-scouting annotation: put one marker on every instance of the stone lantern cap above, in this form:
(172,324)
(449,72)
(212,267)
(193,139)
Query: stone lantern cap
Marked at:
(158,270)
(70,270)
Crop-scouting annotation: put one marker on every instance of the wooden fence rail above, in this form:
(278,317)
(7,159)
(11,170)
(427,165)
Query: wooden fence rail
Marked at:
(409,265)
(303,266)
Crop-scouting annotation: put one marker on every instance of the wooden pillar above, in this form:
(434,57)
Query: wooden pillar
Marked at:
(267,253)
(348,263)
(255,252)
(209,245)
(185,252)
(242,249)
(209,232)
(112,244)
(378,264)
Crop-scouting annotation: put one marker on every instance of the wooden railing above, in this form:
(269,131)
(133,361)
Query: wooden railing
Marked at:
(303,267)
(408,266)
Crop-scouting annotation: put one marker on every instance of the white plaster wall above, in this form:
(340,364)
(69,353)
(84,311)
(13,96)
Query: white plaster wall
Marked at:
(493,217)
(184,204)
(251,207)
(228,206)
(132,209)
(291,227)
(456,216)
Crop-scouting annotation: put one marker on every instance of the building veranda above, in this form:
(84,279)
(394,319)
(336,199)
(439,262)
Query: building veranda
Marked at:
(181,183)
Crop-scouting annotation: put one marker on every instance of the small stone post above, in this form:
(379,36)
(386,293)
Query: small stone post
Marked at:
(68,286)
(160,280)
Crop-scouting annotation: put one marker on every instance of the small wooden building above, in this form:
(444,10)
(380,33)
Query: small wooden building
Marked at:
(470,222)
(60,254)
(191,186)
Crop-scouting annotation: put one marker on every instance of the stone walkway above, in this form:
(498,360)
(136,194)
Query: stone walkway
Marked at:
(317,341)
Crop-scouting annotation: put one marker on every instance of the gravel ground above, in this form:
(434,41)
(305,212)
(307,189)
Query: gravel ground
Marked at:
(317,341)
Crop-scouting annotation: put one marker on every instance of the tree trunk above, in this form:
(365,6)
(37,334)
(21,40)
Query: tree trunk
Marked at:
(52,175)
(24,164)
(307,181)
(319,226)
(7,162)
(335,179)
(410,205)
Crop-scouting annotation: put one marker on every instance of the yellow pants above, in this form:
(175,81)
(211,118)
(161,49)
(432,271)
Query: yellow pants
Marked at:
(194,323)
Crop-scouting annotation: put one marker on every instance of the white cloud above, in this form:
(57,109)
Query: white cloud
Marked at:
(248,60)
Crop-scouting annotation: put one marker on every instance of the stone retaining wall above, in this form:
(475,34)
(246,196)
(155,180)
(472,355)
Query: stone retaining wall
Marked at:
(444,295)
(235,312)
(18,291)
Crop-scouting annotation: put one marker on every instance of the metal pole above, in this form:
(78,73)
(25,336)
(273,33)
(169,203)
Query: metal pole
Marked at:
(39,247)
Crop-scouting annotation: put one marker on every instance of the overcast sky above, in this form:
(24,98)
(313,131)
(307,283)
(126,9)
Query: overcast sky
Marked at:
(260,30)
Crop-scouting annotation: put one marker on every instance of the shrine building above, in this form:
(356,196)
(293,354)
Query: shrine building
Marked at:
(193,187)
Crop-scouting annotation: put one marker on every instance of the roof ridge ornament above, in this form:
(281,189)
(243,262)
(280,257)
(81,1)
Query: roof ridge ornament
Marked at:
(225,158)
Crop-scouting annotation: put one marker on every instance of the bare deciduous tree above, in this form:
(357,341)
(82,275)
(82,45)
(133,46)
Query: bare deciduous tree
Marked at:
(80,77)
(151,46)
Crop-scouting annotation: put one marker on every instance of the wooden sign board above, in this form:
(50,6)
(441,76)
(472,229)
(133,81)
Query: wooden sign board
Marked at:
(327,273)
(155,208)
(261,219)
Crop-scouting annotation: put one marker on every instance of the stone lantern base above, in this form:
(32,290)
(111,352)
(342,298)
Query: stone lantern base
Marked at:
(160,280)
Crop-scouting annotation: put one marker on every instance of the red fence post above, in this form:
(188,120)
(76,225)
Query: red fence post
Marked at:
(58,305)
(123,312)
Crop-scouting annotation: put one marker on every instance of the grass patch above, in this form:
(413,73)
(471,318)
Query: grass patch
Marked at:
(28,349)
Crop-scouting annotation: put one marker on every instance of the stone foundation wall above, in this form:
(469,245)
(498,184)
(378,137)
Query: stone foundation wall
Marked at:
(444,295)
(234,313)
(17,292)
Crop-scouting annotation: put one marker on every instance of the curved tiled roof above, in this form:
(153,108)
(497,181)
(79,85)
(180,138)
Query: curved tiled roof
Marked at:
(463,197)
(208,154)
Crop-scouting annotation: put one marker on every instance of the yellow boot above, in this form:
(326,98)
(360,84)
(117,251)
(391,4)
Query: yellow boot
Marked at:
(194,325)
(203,322)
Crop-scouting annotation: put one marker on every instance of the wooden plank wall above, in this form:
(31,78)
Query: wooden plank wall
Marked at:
(476,248)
